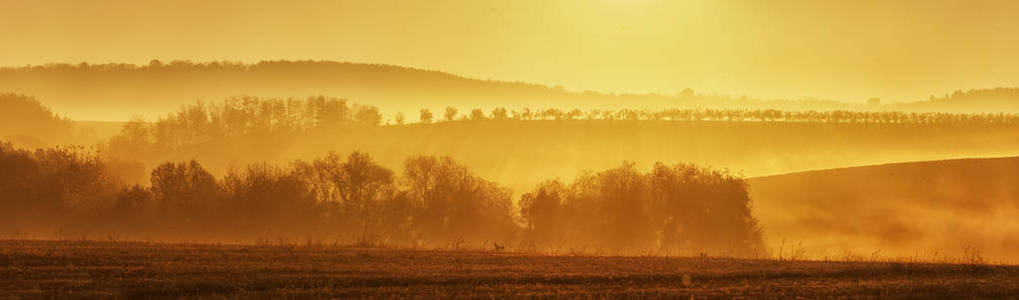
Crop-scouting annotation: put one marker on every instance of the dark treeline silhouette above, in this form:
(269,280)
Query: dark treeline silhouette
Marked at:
(237,117)
(242,130)
(52,188)
(434,202)
(679,208)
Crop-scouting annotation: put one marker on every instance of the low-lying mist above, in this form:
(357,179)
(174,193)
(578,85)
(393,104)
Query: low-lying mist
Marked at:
(235,141)
(116,92)
(435,202)
(520,147)
(26,122)
(923,209)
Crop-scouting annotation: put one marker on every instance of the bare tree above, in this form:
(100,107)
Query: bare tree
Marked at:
(426,116)
(450,114)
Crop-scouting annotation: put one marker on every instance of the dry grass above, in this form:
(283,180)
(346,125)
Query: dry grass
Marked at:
(90,269)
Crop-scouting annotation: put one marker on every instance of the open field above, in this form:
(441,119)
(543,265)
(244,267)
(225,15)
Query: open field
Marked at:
(76,269)
(926,208)
(532,151)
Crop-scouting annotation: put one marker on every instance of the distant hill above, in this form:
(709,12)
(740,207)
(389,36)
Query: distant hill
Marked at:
(116,92)
(902,209)
(521,153)
(27,122)
(972,101)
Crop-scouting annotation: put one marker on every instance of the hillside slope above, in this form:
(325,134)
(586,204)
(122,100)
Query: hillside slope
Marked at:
(905,209)
(971,101)
(520,154)
(69,268)
(116,92)
(27,122)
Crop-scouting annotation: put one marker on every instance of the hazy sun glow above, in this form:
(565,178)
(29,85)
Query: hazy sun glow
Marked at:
(509,148)
(897,50)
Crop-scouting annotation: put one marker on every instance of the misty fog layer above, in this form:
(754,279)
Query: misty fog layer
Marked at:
(241,149)
(532,144)
(27,122)
(117,92)
(680,209)
(923,209)
(66,192)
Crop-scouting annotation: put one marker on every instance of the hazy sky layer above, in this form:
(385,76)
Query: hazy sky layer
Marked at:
(845,50)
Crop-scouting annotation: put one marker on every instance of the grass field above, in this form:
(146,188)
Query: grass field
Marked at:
(900,209)
(90,269)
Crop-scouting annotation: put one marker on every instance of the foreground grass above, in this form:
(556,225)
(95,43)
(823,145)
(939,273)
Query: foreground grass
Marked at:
(89,269)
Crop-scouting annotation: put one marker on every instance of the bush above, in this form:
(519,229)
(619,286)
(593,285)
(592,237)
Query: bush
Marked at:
(675,208)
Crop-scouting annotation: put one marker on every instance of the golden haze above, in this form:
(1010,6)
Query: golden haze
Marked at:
(843,50)
(881,135)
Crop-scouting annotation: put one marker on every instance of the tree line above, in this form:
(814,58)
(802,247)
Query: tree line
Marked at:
(729,115)
(24,118)
(678,207)
(256,129)
(243,116)
(202,122)
(235,117)
(434,201)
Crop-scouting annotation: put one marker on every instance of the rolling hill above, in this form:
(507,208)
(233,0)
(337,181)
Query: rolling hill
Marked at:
(520,154)
(971,101)
(116,92)
(895,210)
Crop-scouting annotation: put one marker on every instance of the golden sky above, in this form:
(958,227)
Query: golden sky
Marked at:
(845,50)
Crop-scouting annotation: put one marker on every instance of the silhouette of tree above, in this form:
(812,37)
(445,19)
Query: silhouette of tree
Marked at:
(236,118)
(686,93)
(436,201)
(263,199)
(680,207)
(766,115)
(477,114)
(450,114)
(27,118)
(541,211)
(454,203)
(368,116)
(399,118)
(426,116)
(185,192)
(51,186)
(363,185)
(133,211)
(499,113)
